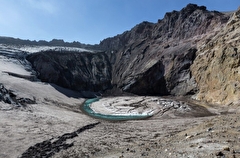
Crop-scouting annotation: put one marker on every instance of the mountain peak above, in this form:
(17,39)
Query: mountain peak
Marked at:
(192,7)
(188,10)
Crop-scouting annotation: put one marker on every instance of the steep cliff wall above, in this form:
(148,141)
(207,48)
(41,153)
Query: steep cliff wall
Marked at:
(82,71)
(217,65)
(155,58)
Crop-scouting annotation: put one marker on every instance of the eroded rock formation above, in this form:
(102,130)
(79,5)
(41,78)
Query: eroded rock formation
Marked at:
(216,68)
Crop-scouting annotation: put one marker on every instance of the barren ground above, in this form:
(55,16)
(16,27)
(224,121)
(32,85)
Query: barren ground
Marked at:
(203,131)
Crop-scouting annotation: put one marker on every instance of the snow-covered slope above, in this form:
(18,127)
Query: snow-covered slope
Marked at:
(17,75)
(12,57)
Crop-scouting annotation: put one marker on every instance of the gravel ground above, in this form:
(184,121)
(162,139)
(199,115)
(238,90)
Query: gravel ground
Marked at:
(56,121)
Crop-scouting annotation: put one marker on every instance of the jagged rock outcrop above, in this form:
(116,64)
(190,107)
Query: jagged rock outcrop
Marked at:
(155,58)
(86,72)
(8,96)
(217,65)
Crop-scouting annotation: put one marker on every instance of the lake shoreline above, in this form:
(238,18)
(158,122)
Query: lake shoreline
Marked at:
(86,108)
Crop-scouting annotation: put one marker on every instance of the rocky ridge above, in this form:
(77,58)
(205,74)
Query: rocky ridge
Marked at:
(170,57)
(154,59)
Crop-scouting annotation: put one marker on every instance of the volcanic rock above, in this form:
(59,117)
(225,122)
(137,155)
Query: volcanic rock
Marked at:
(155,59)
(8,96)
(85,71)
(216,67)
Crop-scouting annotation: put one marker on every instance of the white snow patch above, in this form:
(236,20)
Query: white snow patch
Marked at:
(13,66)
(35,49)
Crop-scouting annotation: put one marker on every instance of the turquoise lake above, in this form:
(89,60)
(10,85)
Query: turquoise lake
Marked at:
(86,108)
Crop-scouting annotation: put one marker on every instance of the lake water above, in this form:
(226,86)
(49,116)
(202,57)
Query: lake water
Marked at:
(86,108)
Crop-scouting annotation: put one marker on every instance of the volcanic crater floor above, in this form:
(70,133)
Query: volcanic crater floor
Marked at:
(180,128)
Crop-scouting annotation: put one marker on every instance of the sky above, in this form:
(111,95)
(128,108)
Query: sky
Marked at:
(88,21)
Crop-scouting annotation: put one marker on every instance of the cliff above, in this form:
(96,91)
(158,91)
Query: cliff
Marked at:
(86,72)
(155,58)
(216,67)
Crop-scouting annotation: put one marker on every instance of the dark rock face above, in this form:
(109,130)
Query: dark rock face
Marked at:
(179,79)
(150,82)
(83,71)
(155,58)
(7,96)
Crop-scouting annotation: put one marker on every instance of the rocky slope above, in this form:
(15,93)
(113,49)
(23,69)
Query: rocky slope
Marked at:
(154,59)
(216,68)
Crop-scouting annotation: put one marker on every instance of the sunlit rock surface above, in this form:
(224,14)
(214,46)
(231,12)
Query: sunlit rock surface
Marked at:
(216,67)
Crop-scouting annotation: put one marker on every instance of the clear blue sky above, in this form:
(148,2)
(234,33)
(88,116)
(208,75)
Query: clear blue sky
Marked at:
(87,21)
